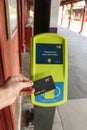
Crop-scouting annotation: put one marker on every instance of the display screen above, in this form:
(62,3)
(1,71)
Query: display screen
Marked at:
(49,53)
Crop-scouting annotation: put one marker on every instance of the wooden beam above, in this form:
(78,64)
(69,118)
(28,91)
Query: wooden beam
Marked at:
(82,25)
(86,2)
(62,14)
(70,15)
(65,2)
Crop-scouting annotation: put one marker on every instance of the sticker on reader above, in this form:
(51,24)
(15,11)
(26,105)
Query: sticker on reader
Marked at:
(44,85)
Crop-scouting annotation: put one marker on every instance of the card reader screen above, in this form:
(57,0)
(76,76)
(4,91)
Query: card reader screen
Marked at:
(49,53)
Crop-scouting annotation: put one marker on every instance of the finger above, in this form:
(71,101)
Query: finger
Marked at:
(27,92)
(23,78)
(28,89)
(20,77)
(25,85)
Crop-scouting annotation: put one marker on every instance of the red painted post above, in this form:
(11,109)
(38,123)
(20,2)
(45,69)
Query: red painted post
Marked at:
(83,17)
(70,15)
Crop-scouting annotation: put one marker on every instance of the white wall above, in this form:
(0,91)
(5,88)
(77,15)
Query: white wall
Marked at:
(54,13)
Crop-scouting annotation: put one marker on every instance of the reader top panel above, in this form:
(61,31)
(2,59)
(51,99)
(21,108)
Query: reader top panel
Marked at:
(49,53)
(49,56)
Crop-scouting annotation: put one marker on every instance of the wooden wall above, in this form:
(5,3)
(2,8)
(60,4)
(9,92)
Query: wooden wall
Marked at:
(9,48)
(9,58)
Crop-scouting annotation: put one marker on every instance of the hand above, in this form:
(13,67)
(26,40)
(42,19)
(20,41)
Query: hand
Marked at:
(12,88)
(20,84)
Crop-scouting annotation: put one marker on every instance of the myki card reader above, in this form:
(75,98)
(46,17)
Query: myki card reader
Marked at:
(49,58)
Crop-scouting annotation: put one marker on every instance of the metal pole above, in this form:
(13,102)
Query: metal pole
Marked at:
(43,117)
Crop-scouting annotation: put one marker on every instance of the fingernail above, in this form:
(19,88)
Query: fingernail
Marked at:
(31,82)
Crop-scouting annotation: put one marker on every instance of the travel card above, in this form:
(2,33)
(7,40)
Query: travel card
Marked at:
(44,85)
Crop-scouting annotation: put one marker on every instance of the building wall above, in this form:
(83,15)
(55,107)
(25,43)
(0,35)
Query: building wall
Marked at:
(9,47)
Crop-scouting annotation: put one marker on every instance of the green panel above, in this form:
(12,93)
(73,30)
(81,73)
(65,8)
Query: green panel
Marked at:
(41,71)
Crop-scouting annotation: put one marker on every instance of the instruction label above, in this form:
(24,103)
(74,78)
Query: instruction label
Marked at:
(49,53)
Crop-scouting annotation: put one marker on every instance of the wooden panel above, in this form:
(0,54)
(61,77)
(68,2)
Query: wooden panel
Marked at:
(7,119)
(9,48)
(2,126)
(28,34)
(9,65)
(6,114)
(1,72)
(30,4)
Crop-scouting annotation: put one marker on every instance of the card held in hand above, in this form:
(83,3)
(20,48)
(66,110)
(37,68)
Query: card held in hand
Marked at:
(44,85)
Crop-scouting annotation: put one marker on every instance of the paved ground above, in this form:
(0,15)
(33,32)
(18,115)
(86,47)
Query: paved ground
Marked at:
(77,51)
(72,115)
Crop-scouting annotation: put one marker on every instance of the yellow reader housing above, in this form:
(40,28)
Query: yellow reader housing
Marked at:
(49,56)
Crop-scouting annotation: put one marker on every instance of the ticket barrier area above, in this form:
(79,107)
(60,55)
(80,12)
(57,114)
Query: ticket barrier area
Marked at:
(49,56)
